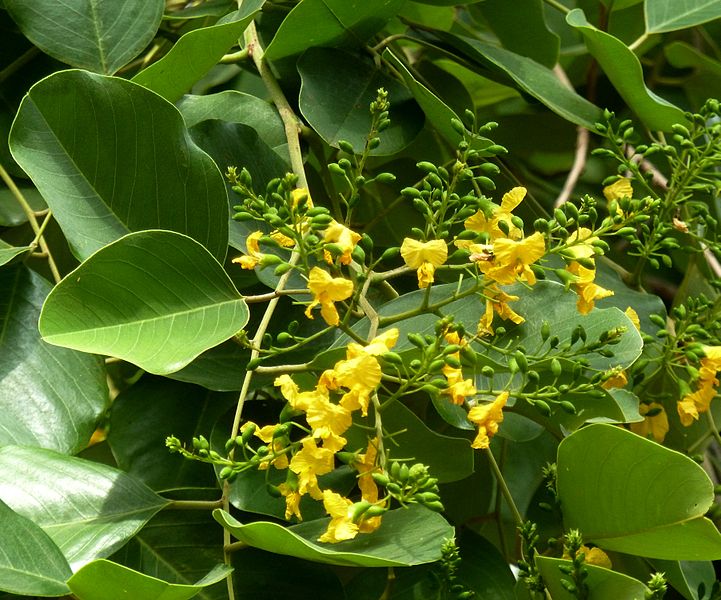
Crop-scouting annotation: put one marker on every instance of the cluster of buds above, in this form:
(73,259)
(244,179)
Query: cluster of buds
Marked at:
(410,485)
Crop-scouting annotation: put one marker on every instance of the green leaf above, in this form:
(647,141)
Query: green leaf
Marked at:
(98,36)
(338,107)
(332,23)
(687,577)
(237,107)
(407,537)
(11,213)
(438,113)
(705,79)
(602,583)
(447,458)
(142,417)
(30,563)
(446,2)
(145,174)
(105,580)
(50,397)
(88,509)
(530,76)
(632,495)
(670,15)
(9,253)
(219,369)
(154,298)
(623,69)
(522,28)
(195,53)
(483,569)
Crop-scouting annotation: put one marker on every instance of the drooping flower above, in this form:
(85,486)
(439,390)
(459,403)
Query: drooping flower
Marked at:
(655,425)
(292,501)
(497,303)
(278,444)
(326,290)
(424,257)
(341,526)
(329,422)
(691,405)
(633,317)
(252,258)
(512,259)
(617,379)
(597,557)
(299,194)
(588,291)
(487,418)
(458,387)
(343,237)
(282,239)
(479,222)
(580,243)
(308,463)
(618,190)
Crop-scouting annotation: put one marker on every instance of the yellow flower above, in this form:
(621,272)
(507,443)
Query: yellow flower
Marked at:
(618,190)
(511,259)
(633,317)
(308,463)
(282,239)
(326,290)
(458,388)
(292,501)
(580,243)
(511,200)
(655,426)
(278,445)
(497,303)
(366,466)
(329,422)
(588,292)
(487,417)
(425,257)
(343,237)
(597,557)
(298,194)
(618,379)
(691,405)
(341,526)
(252,258)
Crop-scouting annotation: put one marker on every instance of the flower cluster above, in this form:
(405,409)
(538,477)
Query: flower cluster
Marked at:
(694,403)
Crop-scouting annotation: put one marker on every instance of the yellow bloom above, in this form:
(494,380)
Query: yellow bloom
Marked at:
(292,501)
(618,190)
(297,399)
(282,239)
(497,303)
(633,317)
(378,345)
(458,388)
(298,194)
(278,445)
(342,236)
(487,417)
(597,557)
(511,259)
(341,526)
(691,405)
(366,466)
(655,426)
(580,243)
(326,290)
(252,258)
(617,380)
(308,463)
(588,292)
(511,200)
(425,257)
(329,422)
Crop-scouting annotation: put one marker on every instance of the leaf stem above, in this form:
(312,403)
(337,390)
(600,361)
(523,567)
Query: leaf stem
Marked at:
(32,219)
(558,6)
(195,504)
(504,487)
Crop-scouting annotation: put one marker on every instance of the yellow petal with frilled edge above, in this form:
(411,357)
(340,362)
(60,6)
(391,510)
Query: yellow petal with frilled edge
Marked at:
(342,236)
(487,417)
(633,316)
(425,274)
(415,253)
(621,188)
(581,243)
(326,290)
(308,463)
(513,198)
(655,426)
(511,259)
(341,527)
(250,260)
(299,194)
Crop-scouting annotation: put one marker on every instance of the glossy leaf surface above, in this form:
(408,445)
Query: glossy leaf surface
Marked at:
(672,15)
(30,562)
(101,180)
(98,36)
(154,298)
(89,511)
(610,483)
(50,397)
(406,537)
(195,53)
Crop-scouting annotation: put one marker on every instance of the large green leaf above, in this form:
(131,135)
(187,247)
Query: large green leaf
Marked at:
(98,36)
(623,69)
(522,28)
(88,509)
(338,107)
(407,537)
(632,495)
(9,254)
(195,53)
(11,213)
(671,15)
(106,580)
(49,397)
(111,157)
(330,23)
(531,77)
(154,298)
(602,583)
(30,562)
(705,80)
(154,408)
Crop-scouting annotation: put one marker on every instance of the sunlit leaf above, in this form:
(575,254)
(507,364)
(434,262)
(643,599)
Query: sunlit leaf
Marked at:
(671,15)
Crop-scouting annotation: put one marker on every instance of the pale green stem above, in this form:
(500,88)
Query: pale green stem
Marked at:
(558,6)
(638,42)
(195,504)
(235,57)
(32,219)
(504,487)
(379,429)
(714,429)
